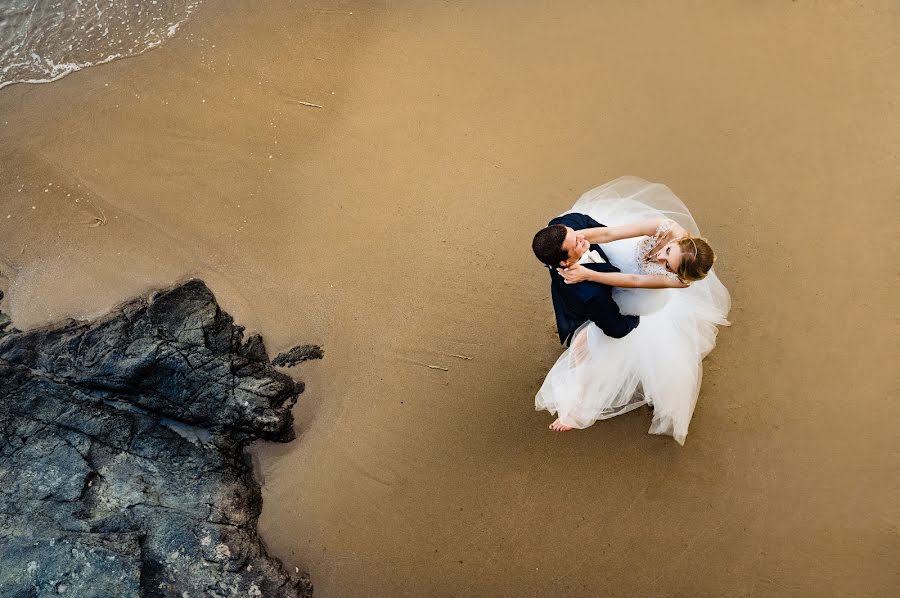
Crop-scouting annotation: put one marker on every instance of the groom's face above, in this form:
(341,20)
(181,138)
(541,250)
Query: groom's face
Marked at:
(575,245)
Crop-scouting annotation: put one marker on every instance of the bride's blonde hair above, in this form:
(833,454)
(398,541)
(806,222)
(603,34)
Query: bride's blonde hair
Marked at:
(697,257)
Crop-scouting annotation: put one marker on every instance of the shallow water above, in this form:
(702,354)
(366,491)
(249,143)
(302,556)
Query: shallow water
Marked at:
(41,41)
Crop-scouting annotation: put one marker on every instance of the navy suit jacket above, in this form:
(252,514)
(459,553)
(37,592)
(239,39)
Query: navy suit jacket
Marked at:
(575,304)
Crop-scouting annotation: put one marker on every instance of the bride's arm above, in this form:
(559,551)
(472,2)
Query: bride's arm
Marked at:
(608,234)
(576,274)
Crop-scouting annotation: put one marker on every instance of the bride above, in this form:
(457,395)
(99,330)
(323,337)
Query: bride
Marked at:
(667,280)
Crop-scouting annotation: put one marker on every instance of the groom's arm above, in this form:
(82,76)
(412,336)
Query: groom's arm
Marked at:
(606,315)
(576,221)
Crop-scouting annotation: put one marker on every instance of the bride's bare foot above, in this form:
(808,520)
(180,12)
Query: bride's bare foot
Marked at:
(558,426)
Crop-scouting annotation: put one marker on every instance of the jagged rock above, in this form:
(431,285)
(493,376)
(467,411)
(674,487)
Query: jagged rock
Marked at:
(122,464)
(298,354)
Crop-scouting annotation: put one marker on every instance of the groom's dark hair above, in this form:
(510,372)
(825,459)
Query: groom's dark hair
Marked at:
(547,245)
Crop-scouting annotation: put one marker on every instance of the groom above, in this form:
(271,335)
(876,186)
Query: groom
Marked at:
(560,245)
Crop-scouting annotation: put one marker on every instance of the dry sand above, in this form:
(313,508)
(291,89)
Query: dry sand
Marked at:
(393,226)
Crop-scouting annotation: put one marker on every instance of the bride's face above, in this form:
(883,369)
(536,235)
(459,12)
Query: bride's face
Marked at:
(669,257)
(575,245)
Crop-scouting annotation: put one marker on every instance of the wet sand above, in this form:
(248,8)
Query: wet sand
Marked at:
(393,224)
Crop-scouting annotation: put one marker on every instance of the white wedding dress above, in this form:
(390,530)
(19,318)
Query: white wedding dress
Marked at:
(657,363)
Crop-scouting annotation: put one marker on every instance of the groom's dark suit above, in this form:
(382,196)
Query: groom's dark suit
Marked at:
(575,304)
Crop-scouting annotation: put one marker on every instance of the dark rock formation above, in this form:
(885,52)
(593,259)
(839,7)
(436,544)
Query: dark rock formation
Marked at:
(297,355)
(4,319)
(122,465)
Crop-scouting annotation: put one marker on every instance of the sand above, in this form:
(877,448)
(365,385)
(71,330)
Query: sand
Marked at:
(393,225)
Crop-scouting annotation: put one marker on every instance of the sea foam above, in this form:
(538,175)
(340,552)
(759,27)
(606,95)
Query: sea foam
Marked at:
(42,41)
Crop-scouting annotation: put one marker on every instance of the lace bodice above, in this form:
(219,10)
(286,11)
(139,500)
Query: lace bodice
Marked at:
(646,248)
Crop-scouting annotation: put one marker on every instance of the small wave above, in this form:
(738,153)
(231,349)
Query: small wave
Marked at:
(42,42)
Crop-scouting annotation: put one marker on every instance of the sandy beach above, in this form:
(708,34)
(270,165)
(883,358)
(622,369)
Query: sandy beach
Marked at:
(368,176)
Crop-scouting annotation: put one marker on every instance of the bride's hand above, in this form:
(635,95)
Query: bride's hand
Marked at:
(574,274)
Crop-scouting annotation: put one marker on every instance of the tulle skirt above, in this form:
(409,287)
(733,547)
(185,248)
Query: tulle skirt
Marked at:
(659,362)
